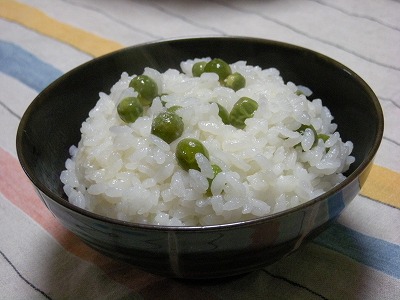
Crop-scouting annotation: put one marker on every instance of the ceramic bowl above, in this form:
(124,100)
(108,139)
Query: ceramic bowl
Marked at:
(51,124)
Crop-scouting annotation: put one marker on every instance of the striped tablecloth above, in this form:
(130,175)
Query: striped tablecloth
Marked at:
(356,258)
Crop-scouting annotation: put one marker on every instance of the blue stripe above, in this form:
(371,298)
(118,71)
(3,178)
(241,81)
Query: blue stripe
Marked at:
(25,67)
(335,204)
(372,252)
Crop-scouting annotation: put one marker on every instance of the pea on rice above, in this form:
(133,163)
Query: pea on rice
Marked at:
(123,171)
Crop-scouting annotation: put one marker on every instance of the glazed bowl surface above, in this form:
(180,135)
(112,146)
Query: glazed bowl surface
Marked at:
(51,124)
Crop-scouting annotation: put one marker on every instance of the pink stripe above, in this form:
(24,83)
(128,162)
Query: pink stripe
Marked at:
(17,188)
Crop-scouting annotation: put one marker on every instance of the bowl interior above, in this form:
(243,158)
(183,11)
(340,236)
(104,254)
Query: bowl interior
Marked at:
(52,122)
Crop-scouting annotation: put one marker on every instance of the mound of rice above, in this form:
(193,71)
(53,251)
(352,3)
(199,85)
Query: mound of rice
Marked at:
(124,172)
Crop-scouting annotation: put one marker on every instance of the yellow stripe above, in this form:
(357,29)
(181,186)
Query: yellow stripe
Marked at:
(33,18)
(383,185)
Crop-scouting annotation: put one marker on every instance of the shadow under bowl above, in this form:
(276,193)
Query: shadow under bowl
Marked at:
(52,122)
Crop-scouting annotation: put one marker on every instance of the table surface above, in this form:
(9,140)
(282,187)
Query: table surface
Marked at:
(358,257)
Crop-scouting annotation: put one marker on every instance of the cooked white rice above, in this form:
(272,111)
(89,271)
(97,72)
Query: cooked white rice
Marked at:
(124,172)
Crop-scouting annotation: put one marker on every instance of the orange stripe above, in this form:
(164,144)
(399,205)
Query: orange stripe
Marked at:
(383,185)
(35,19)
(17,188)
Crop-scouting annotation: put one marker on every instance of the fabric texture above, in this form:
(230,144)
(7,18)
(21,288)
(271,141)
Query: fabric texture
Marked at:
(358,257)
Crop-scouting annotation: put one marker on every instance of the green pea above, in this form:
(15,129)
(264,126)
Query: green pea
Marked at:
(302,90)
(323,137)
(167,126)
(146,88)
(216,169)
(299,92)
(235,81)
(174,108)
(198,68)
(218,66)
(223,114)
(303,128)
(243,109)
(129,109)
(186,151)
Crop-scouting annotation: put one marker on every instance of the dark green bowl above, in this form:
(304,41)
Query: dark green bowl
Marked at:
(52,124)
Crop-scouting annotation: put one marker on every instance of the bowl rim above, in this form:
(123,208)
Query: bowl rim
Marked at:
(336,189)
